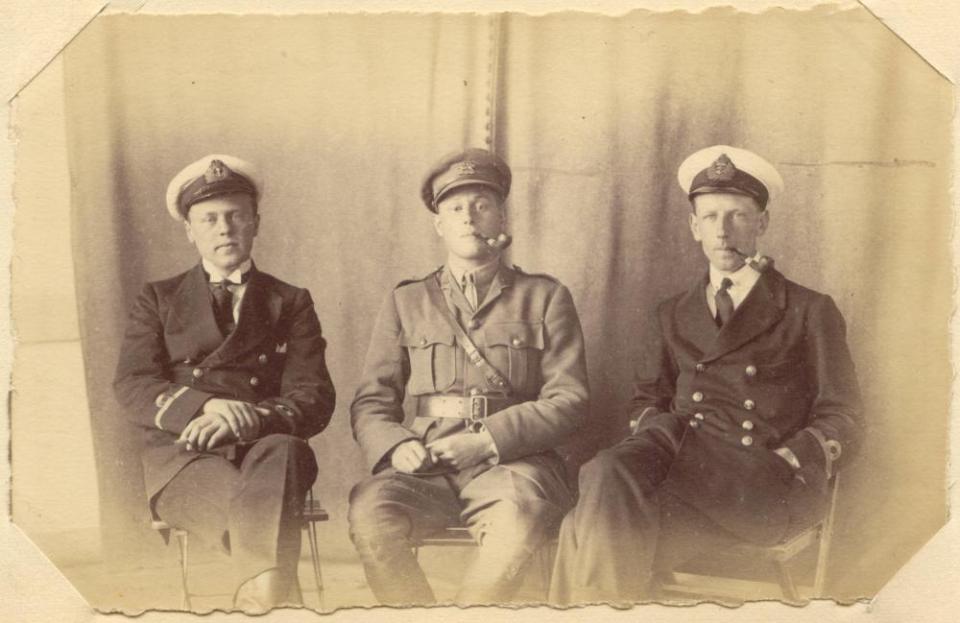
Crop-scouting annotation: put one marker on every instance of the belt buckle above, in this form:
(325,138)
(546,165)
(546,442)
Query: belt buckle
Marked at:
(477,406)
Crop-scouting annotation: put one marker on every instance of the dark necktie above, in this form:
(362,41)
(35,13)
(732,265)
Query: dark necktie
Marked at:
(724,302)
(223,306)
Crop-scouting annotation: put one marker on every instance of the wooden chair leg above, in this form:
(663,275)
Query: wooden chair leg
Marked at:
(182,544)
(787,584)
(315,559)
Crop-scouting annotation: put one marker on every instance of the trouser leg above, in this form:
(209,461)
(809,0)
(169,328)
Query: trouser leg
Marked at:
(608,541)
(388,512)
(265,514)
(510,510)
(198,499)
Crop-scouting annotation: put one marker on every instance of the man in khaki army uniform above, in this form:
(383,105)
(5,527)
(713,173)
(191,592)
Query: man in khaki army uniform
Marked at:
(494,358)
(222,368)
(744,407)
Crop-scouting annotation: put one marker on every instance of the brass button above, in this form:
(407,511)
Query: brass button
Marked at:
(749,404)
(697,396)
(751,370)
(699,416)
(423,341)
(517,341)
(473,325)
(694,424)
(262,358)
(474,391)
(197,373)
(747,440)
(254,381)
(700,367)
(747,425)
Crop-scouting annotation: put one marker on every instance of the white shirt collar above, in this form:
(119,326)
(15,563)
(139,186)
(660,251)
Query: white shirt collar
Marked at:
(743,277)
(216,275)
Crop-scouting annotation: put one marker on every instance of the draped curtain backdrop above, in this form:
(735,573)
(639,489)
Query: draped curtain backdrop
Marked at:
(343,114)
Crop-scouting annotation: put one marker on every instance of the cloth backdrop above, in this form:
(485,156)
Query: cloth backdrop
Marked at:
(344,113)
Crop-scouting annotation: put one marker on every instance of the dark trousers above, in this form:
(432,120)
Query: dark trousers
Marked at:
(625,527)
(250,507)
(509,514)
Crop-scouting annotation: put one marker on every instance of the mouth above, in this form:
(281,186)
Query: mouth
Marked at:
(226,245)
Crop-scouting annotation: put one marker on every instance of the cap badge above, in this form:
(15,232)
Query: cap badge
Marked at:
(215,172)
(465,168)
(722,169)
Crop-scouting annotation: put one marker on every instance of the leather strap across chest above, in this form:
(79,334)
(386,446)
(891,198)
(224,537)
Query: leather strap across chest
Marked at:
(490,373)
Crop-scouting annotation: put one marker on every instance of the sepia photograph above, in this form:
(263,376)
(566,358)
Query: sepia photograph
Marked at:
(339,309)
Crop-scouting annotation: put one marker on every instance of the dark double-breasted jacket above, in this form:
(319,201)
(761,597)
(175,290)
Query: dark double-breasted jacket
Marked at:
(527,327)
(778,374)
(174,358)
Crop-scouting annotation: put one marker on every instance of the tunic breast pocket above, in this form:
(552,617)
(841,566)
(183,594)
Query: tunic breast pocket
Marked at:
(515,348)
(433,359)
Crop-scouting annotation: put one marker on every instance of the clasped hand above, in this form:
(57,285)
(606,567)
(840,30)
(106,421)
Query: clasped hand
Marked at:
(459,451)
(222,421)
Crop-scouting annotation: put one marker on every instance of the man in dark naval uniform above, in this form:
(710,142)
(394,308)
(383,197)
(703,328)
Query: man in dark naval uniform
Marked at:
(744,407)
(223,368)
(493,359)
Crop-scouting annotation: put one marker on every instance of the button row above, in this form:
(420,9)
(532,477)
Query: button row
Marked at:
(750,370)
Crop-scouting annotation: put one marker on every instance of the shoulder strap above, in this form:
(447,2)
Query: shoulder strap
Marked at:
(493,376)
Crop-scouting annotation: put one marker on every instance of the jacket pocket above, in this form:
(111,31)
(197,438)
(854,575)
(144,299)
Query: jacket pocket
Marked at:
(433,358)
(514,349)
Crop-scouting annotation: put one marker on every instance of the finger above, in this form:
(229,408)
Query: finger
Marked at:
(418,452)
(230,419)
(205,433)
(219,437)
(262,410)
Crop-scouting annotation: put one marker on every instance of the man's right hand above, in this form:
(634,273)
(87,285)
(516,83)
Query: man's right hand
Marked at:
(242,417)
(410,456)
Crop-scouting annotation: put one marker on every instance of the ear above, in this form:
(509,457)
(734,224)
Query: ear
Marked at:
(763,223)
(695,227)
(436,224)
(189,231)
(256,224)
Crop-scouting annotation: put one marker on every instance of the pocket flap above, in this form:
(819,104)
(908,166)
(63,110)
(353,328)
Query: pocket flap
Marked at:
(515,334)
(427,335)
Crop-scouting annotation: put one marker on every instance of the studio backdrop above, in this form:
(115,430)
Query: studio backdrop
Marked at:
(343,114)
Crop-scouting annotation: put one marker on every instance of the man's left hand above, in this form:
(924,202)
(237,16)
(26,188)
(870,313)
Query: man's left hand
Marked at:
(206,432)
(463,450)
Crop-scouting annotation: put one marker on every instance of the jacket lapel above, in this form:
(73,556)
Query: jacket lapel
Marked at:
(259,311)
(695,324)
(503,279)
(195,329)
(763,308)
(453,294)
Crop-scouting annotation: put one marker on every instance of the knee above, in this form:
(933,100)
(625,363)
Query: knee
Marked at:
(605,467)
(373,514)
(522,527)
(293,452)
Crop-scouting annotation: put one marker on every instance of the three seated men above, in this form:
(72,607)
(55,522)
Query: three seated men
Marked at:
(745,404)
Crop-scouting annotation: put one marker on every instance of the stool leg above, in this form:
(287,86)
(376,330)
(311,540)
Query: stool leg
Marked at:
(315,558)
(184,586)
(787,584)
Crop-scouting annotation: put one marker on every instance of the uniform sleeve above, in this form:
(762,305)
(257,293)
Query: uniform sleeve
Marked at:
(563,403)
(835,423)
(307,396)
(376,414)
(142,382)
(655,384)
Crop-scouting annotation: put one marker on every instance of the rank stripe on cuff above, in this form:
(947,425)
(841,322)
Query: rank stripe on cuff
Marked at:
(166,405)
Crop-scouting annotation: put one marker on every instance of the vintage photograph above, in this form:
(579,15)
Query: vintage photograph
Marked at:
(458,308)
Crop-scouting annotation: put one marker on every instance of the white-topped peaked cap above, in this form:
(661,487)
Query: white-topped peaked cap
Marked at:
(211,176)
(726,169)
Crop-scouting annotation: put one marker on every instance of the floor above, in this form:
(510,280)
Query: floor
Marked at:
(157,586)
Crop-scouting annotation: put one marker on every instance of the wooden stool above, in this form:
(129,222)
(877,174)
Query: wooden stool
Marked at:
(779,555)
(313,513)
(459,536)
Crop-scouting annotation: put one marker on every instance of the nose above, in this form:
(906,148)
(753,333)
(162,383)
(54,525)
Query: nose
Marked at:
(225,225)
(722,226)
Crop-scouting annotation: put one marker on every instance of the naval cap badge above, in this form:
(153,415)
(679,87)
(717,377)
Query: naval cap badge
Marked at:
(722,169)
(215,172)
